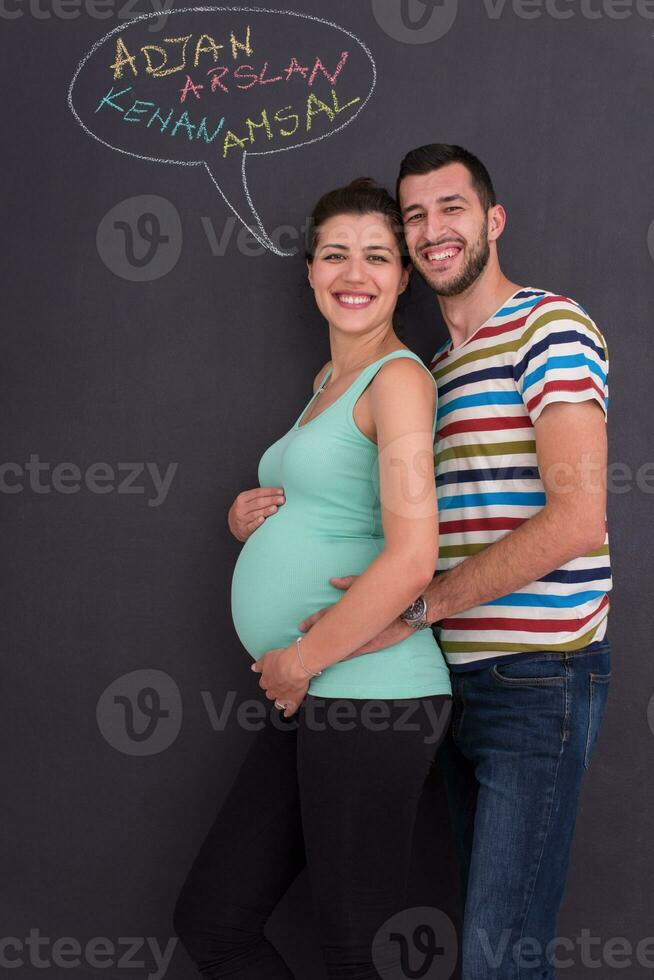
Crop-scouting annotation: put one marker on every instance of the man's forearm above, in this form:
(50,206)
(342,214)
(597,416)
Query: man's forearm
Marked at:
(540,545)
(375,599)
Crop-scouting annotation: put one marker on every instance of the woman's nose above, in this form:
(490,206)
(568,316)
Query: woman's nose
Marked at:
(355,271)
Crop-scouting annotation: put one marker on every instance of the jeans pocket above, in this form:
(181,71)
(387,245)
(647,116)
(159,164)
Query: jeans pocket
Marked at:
(598,693)
(539,672)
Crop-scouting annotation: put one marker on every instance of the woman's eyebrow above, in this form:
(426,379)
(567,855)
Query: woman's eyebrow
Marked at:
(346,248)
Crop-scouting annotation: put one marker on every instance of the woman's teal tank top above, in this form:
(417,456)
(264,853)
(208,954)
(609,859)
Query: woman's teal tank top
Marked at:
(330,525)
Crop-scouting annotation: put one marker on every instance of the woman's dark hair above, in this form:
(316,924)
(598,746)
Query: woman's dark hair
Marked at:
(433,156)
(360,196)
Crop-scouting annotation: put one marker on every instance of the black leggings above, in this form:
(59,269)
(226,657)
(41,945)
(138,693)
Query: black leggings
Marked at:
(334,787)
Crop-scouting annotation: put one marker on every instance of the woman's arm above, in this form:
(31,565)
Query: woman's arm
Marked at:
(402,400)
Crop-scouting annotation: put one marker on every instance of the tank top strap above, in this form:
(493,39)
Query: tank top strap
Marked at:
(368,373)
(326,376)
(322,384)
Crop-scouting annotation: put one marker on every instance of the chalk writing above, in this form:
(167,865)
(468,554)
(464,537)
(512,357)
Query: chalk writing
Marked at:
(229,82)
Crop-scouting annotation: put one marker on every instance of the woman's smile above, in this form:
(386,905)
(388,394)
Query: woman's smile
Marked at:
(353,301)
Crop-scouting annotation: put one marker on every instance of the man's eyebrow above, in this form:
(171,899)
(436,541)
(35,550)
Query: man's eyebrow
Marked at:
(445,199)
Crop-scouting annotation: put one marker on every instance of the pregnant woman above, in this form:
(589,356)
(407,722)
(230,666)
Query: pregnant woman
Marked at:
(333,779)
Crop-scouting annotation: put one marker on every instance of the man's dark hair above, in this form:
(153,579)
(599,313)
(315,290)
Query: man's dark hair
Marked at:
(433,156)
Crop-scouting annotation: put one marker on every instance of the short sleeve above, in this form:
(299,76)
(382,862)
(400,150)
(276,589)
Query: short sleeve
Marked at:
(561,357)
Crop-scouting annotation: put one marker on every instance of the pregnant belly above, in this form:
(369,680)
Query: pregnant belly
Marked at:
(282,576)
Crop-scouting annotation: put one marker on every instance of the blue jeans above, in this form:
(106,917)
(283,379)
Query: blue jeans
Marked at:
(522,737)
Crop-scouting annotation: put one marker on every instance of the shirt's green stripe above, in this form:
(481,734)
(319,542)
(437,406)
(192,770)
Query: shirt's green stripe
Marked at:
(462,550)
(488,449)
(452,646)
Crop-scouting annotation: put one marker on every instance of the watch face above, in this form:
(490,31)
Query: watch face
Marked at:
(417,609)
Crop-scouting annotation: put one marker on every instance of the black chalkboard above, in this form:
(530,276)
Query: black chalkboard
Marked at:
(159,334)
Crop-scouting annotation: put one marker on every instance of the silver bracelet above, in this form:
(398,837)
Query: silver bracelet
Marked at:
(302,663)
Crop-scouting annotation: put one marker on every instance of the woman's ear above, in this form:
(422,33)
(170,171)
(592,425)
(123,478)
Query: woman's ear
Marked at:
(309,276)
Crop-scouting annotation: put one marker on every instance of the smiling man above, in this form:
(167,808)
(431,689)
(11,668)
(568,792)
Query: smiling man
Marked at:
(519,602)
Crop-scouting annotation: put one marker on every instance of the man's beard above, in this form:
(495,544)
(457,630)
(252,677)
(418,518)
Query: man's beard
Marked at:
(477,261)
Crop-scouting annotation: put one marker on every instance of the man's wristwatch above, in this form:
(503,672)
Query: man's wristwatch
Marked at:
(416,615)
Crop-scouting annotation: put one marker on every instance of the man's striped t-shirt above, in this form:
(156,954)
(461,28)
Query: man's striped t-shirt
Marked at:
(537,349)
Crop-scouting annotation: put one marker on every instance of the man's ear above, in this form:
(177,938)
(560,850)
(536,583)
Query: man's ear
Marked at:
(496,222)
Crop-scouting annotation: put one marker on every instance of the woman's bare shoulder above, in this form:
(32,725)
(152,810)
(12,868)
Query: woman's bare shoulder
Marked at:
(402,368)
(402,375)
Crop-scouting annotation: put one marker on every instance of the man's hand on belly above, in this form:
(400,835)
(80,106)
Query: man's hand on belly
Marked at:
(396,630)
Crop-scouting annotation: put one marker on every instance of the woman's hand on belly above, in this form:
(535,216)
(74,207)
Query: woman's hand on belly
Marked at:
(395,631)
(282,677)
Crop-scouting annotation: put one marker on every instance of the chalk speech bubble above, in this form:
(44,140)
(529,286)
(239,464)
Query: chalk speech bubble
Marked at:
(216,91)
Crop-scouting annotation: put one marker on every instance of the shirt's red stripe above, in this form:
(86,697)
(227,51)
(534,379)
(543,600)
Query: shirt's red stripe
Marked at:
(581,384)
(484,425)
(526,625)
(481,524)
(501,328)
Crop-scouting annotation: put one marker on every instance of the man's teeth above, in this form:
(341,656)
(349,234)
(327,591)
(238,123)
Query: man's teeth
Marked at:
(355,300)
(447,253)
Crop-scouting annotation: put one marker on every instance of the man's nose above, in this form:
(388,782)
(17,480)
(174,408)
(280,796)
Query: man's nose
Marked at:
(435,227)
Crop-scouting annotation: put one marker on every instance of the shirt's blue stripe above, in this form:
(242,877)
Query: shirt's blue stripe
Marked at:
(518,307)
(551,601)
(483,398)
(563,362)
(562,337)
(491,499)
